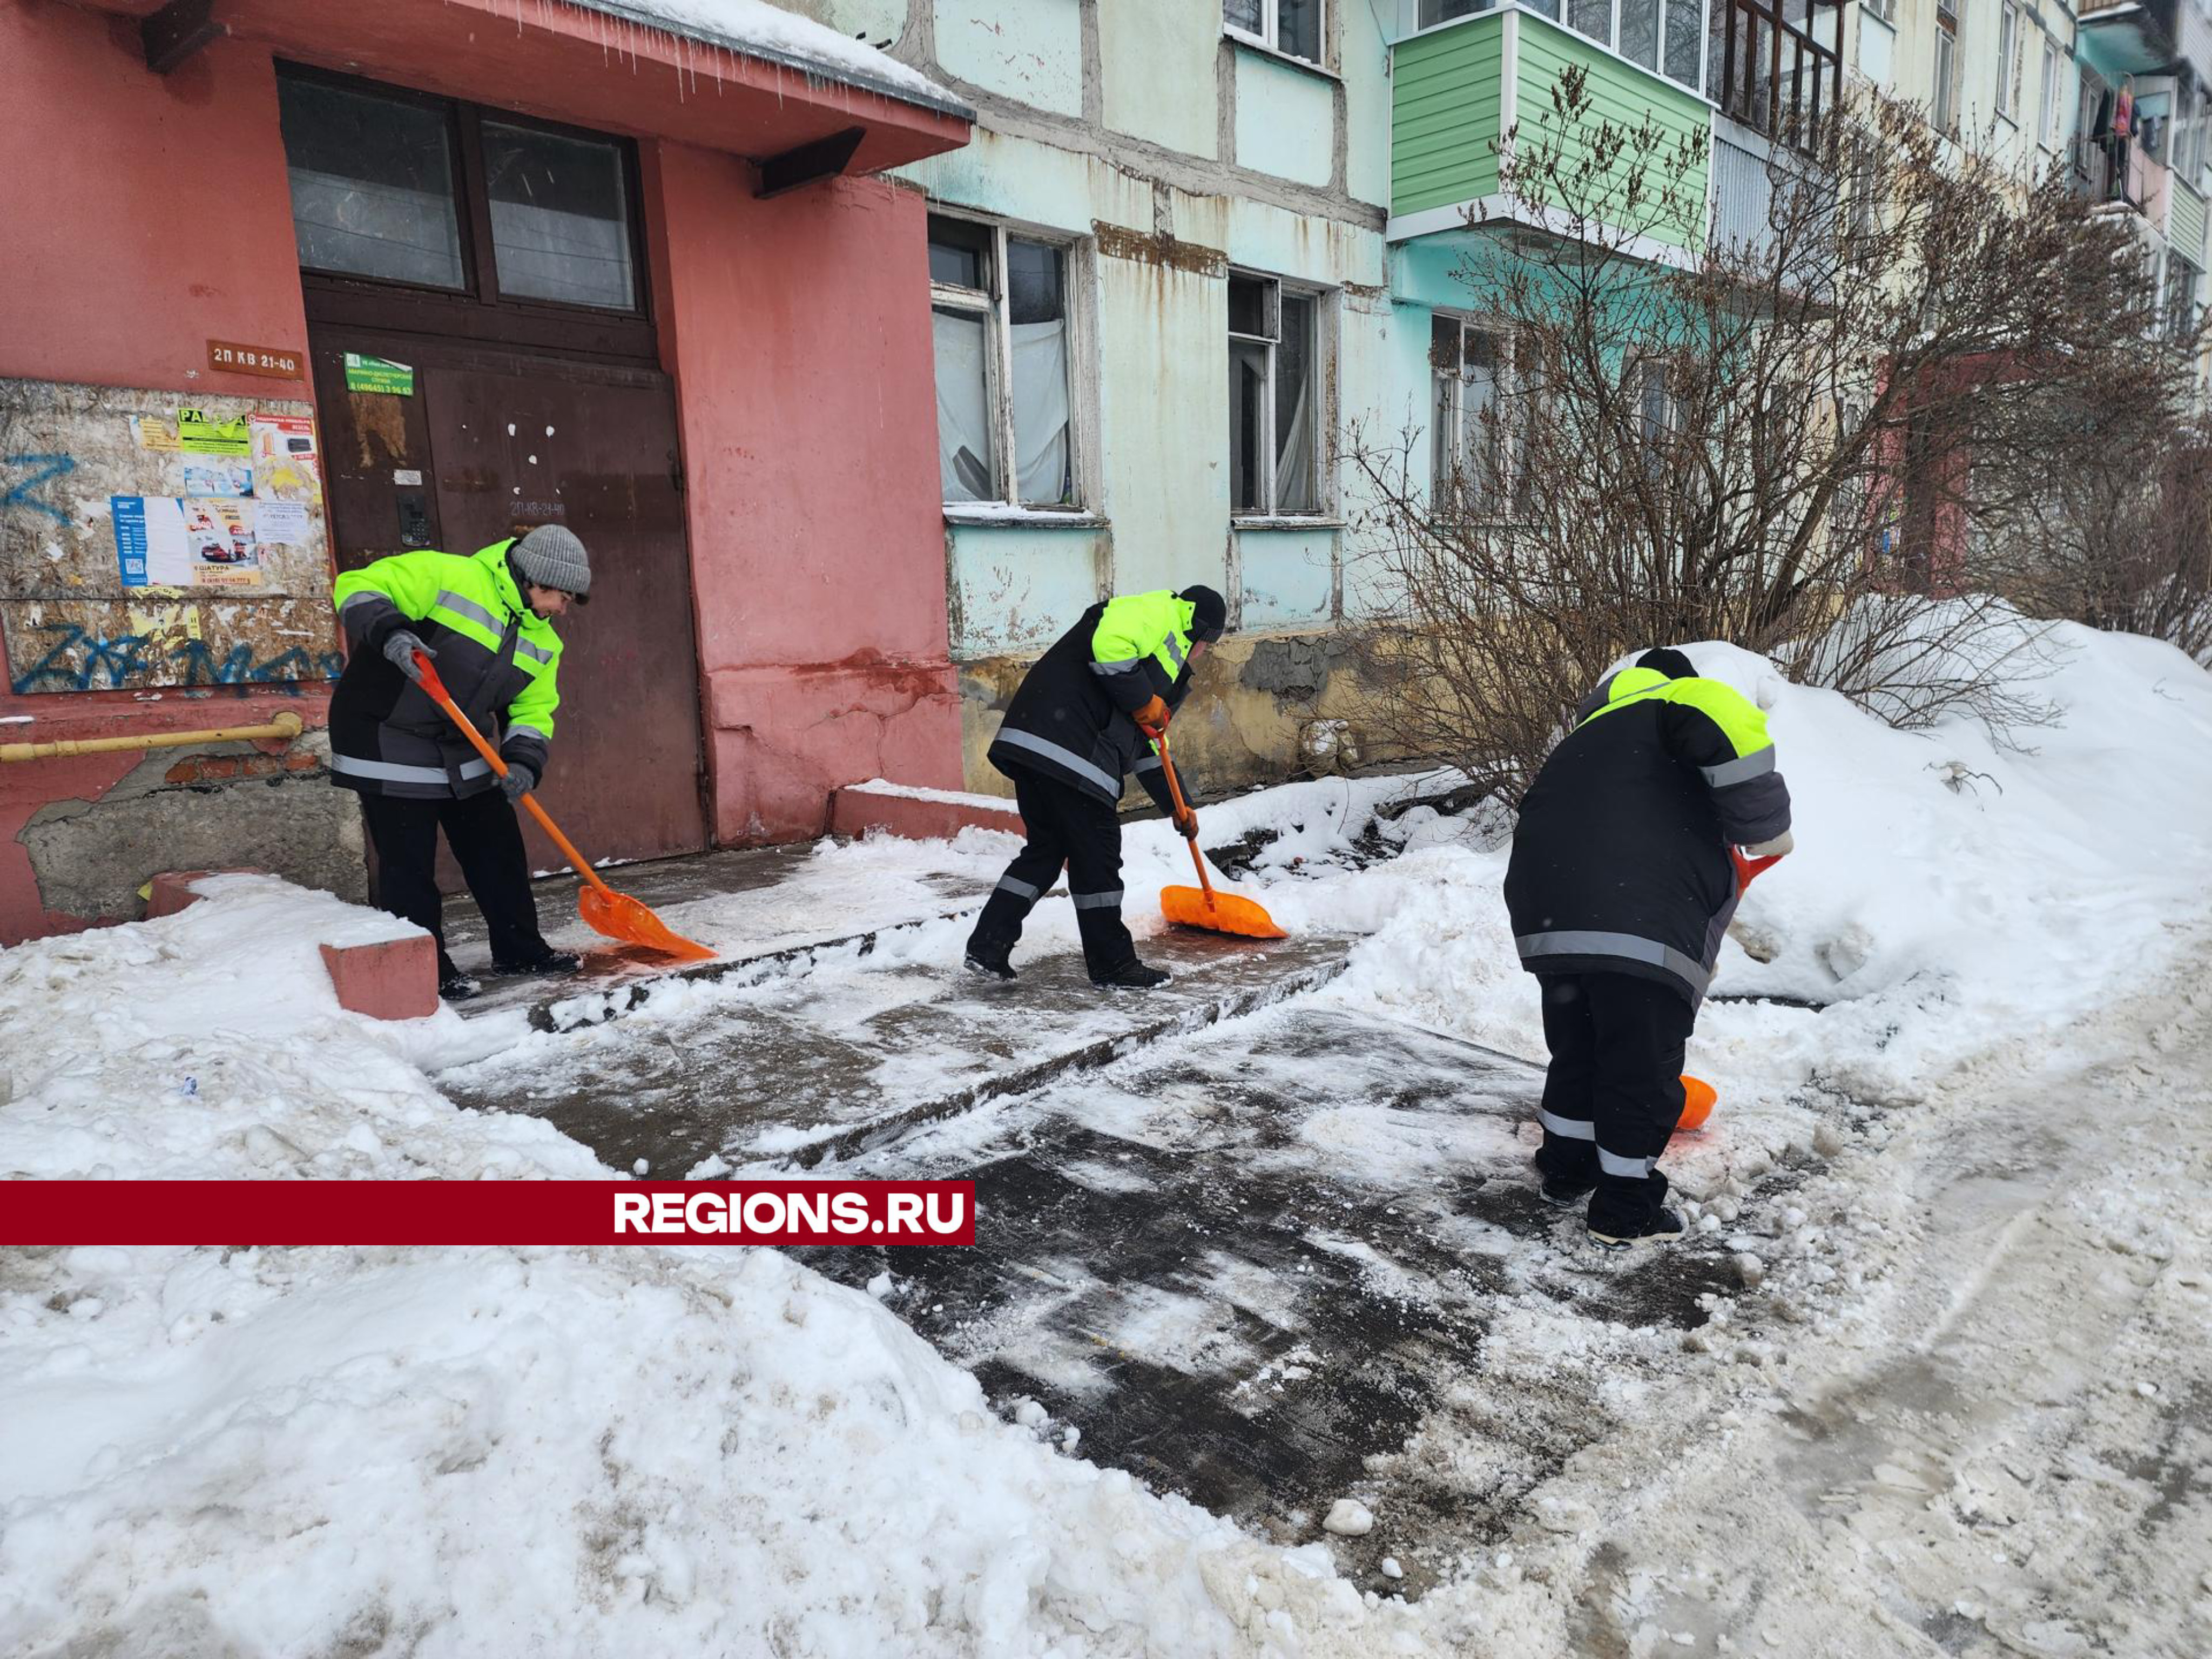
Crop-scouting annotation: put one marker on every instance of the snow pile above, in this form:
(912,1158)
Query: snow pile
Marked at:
(514,1450)
(1949,897)
(210,1043)
(510,1451)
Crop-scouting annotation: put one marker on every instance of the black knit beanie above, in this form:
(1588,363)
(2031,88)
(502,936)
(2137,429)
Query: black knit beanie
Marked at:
(1209,612)
(1669,661)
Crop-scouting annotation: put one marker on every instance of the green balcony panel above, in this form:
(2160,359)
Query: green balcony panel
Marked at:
(1447,104)
(1445,92)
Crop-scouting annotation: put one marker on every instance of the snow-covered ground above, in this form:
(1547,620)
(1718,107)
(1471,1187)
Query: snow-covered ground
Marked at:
(1960,1407)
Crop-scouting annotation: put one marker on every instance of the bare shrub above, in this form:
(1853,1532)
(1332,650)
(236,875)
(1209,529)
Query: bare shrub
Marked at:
(1820,437)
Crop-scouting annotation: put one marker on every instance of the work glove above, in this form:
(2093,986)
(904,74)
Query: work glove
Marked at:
(1784,842)
(401,648)
(1186,820)
(519,781)
(1153,719)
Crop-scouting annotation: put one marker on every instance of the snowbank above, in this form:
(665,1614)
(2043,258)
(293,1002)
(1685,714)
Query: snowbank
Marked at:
(500,1451)
(266,1451)
(1949,898)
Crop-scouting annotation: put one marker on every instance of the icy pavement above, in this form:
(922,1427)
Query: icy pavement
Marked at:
(746,903)
(793,1066)
(1251,1261)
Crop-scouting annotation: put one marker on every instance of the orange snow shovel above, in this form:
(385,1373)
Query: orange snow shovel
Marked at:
(618,915)
(1200,905)
(1698,1099)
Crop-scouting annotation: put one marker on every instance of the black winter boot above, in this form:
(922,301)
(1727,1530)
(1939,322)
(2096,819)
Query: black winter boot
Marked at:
(548,960)
(1131,975)
(991,956)
(456,986)
(1663,1227)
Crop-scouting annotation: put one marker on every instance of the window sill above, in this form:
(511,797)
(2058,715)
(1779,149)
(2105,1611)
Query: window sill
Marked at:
(1283,521)
(970,516)
(1254,44)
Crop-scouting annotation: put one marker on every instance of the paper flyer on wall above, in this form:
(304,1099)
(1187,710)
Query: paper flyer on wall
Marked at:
(286,466)
(165,541)
(199,433)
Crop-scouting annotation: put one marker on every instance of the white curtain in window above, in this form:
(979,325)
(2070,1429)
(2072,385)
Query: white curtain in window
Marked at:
(1041,412)
(1294,466)
(963,409)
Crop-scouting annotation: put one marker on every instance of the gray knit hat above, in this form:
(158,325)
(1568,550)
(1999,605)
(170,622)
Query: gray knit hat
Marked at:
(552,556)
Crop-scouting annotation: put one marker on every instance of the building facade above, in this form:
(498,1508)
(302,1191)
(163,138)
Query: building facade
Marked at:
(290,289)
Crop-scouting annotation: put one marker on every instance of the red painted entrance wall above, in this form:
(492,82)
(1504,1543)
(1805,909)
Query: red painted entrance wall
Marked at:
(101,287)
(797,330)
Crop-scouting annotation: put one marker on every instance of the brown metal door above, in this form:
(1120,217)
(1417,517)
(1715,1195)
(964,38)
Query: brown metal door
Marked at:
(504,441)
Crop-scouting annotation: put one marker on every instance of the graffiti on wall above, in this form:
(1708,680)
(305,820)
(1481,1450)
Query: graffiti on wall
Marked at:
(79,660)
(81,606)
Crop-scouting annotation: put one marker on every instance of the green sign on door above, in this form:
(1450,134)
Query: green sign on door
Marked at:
(375,374)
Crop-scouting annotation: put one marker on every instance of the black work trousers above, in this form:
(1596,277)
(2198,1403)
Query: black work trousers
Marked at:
(487,843)
(1066,828)
(1614,1088)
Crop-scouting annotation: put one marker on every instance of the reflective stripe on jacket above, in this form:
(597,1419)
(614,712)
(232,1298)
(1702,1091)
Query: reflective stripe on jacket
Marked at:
(1621,856)
(499,659)
(1071,718)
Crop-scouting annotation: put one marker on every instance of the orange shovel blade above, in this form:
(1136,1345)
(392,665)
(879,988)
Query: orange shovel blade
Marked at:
(1699,1098)
(618,915)
(1186,907)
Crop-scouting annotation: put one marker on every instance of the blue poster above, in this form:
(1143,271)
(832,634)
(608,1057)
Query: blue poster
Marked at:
(129,537)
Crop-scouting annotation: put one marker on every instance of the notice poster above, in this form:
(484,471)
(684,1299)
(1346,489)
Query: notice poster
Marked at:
(286,467)
(199,433)
(162,541)
(150,540)
(153,432)
(221,535)
(217,475)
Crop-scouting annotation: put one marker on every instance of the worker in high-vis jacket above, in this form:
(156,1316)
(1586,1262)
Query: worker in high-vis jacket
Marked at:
(1087,714)
(1620,888)
(486,620)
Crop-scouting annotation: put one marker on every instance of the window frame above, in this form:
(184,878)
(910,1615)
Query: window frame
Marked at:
(1751,93)
(1944,109)
(1502,498)
(2048,115)
(478,309)
(2012,35)
(1324,345)
(1269,37)
(2178,322)
(994,304)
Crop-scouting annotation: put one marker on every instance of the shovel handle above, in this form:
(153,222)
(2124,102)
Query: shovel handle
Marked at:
(1175,794)
(436,687)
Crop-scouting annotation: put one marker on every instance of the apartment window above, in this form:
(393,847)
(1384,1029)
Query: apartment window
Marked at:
(2047,109)
(1947,66)
(1429,13)
(1666,36)
(373,184)
(1274,339)
(1291,26)
(999,306)
(2010,40)
(1473,459)
(1775,65)
(2181,279)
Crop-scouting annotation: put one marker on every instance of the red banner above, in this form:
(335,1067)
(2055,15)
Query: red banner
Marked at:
(487,1213)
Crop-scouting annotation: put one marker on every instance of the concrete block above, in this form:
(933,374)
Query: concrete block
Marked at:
(917,814)
(172,891)
(387,979)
